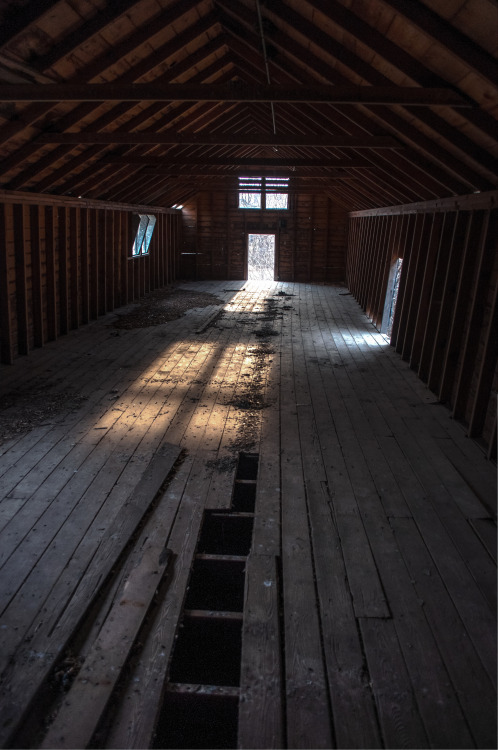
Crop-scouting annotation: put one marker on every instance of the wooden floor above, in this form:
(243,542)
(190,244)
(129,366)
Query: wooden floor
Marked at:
(356,596)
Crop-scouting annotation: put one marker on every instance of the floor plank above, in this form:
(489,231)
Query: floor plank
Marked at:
(374,514)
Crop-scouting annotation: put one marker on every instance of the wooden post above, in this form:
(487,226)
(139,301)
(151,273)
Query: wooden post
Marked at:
(7,334)
(52,329)
(63,270)
(74,272)
(485,257)
(85,269)
(416,285)
(20,251)
(36,276)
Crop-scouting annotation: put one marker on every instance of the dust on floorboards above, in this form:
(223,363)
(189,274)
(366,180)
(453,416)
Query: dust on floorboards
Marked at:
(374,521)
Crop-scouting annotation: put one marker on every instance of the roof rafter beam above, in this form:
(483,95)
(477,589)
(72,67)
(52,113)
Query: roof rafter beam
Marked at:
(240,139)
(232,92)
(444,33)
(239,161)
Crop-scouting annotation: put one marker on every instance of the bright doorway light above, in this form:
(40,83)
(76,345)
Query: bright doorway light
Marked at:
(261,257)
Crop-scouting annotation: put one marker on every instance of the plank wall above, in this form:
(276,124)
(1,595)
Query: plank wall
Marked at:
(445,320)
(62,265)
(310,238)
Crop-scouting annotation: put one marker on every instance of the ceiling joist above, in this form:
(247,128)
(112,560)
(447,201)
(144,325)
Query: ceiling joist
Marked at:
(232,92)
(187,87)
(239,161)
(239,139)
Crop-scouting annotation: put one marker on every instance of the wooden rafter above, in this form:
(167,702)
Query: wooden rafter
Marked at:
(239,161)
(444,33)
(232,92)
(263,139)
(385,117)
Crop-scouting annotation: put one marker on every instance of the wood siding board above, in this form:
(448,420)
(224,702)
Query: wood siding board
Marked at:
(485,256)
(36,276)
(364,259)
(118,264)
(416,233)
(21,261)
(378,293)
(436,290)
(94,264)
(488,356)
(84,266)
(452,263)
(51,273)
(124,240)
(462,296)
(102,261)
(416,289)
(374,252)
(404,252)
(6,274)
(64,270)
(110,264)
(75,272)
(491,452)
(423,307)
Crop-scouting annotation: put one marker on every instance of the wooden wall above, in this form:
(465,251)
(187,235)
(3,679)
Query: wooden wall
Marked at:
(63,264)
(310,238)
(445,321)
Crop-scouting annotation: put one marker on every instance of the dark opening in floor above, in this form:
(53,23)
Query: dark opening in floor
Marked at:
(216,585)
(207,651)
(225,534)
(247,467)
(244,496)
(192,721)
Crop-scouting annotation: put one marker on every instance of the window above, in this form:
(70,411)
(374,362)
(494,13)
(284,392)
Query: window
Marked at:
(250,192)
(143,236)
(263,192)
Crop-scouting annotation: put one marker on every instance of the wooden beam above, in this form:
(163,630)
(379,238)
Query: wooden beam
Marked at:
(43,199)
(385,117)
(239,139)
(20,251)
(488,199)
(448,35)
(18,19)
(164,162)
(232,92)
(7,349)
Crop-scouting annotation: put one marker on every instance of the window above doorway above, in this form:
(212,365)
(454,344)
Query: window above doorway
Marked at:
(269,193)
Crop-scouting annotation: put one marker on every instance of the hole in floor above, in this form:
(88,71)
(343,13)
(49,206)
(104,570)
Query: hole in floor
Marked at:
(207,651)
(195,721)
(247,467)
(225,534)
(244,496)
(217,585)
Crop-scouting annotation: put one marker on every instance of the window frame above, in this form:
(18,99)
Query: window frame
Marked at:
(263,186)
(143,235)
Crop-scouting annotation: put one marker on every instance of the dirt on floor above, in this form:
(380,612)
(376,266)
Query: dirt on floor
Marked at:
(162,306)
(22,412)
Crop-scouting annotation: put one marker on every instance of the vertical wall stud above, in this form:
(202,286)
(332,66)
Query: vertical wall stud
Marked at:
(36,276)
(84,266)
(6,274)
(20,250)
(51,273)
(74,271)
(63,253)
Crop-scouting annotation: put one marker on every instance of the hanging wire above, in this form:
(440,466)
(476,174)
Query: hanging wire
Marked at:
(265,57)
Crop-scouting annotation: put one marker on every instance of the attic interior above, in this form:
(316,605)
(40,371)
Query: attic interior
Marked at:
(248,343)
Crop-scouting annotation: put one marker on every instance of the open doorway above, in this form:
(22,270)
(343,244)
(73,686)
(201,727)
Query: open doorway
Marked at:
(261,257)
